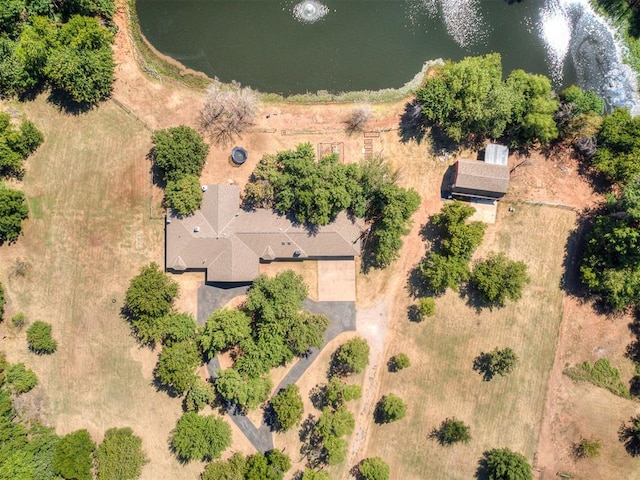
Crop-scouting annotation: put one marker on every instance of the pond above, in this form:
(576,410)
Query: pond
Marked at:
(288,46)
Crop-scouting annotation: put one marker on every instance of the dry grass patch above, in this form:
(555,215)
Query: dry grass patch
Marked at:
(88,187)
(441,382)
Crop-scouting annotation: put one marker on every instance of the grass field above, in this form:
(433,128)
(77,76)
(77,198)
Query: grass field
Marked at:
(89,233)
(441,382)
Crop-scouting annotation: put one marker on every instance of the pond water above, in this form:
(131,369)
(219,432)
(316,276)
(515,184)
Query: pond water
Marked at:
(288,46)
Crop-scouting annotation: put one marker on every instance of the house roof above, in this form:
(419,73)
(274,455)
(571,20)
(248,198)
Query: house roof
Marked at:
(481,178)
(496,154)
(229,242)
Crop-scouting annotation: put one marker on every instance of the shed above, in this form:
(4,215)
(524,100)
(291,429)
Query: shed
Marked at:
(478,179)
(496,154)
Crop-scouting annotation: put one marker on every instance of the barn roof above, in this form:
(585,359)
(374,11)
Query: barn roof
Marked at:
(476,178)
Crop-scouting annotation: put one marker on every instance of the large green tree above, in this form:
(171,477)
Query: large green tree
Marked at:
(374,468)
(184,195)
(231,469)
(498,279)
(504,464)
(73,457)
(242,390)
(39,338)
(499,361)
(179,151)
(224,328)
(618,146)
(177,364)
(390,408)
(198,437)
(288,407)
(120,455)
(351,357)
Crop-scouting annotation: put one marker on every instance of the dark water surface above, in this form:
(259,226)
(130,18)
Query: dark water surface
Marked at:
(364,44)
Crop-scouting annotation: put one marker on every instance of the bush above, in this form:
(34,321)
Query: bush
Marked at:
(503,464)
(120,455)
(18,320)
(351,357)
(497,279)
(199,395)
(310,474)
(587,448)
(199,437)
(13,210)
(39,338)
(288,407)
(400,362)
(337,393)
(452,431)
(374,468)
(426,307)
(20,378)
(73,458)
(390,409)
(601,374)
(184,195)
(358,118)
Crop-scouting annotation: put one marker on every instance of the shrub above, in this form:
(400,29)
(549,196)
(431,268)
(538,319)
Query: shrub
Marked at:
(39,338)
(601,374)
(18,320)
(400,362)
(310,474)
(503,464)
(199,437)
(452,431)
(390,409)
(358,118)
(351,357)
(496,362)
(426,307)
(336,392)
(374,468)
(587,448)
(20,378)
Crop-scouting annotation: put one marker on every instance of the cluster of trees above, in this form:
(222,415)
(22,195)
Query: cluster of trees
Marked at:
(179,153)
(271,465)
(470,99)
(495,279)
(314,192)
(31,450)
(16,144)
(62,44)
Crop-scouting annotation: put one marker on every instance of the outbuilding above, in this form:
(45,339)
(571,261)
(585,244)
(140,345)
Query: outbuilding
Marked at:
(477,179)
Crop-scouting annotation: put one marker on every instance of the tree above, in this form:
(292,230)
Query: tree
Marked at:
(457,237)
(179,151)
(199,395)
(279,297)
(310,474)
(629,435)
(331,426)
(82,65)
(498,278)
(496,362)
(400,362)
(246,392)
(120,455)
(288,407)
(232,469)
(279,462)
(390,408)
(184,195)
(582,101)
(587,448)
(20,378)
(198,437)
(73,458)
(13,210)
(351,357)
(374,468)
(503,464)
(426,307)
(228,111)
(618,146)
(149,297)
(10,11)
(440,272)
(176,365)
(358,118)
(223,329)
(39,338)
(337,393)
(176,327)
(452,431)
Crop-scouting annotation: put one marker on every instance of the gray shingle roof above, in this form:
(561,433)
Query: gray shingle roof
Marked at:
(481,179)
(230,242)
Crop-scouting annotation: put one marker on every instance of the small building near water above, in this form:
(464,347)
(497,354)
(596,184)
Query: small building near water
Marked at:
(488,179)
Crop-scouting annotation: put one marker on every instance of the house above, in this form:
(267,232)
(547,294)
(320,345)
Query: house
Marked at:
(477,179)
(229,243)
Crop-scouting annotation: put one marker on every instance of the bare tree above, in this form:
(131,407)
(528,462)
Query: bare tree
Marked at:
(358,118)
(228,111)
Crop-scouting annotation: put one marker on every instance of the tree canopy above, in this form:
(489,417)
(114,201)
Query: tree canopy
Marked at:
(13,210)
(73,458)
(503,464)
(200,394)
(224,328)
(177,364)
(618,146)
(120,455)
(288,407)
(20,378)
(179,151)
(184,195)
(351,357)
(374,468)
(452,431)
(498,279)
(198,437)
(245,391)
(329,430)
(496,362)
(39,338)
(16,144)
(390,408)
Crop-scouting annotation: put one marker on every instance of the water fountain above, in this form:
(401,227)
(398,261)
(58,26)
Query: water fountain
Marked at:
(310,11)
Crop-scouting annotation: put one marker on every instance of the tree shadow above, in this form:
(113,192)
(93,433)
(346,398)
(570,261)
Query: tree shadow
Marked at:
(270,419)
(64,103)
(161,387)
(475,299)
(378,413)
(318,396)
(482,365)
(413,314)
(630,438)
(482,472)
(412,123)
(311,447)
